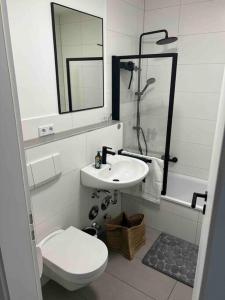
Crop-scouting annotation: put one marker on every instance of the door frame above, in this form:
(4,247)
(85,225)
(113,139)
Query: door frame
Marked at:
(210,271)
(19,278)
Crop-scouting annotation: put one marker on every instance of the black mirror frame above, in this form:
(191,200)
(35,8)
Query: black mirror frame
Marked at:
(68,60)
(88,58)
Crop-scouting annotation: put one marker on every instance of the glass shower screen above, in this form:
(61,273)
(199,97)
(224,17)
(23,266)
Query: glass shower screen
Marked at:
(143,98)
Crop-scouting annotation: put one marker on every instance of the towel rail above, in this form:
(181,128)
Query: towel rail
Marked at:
(144,158)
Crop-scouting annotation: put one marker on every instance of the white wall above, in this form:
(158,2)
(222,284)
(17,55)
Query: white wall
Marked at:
(34,57)
(32,43)
(200,27)
(124,25)
(64,201)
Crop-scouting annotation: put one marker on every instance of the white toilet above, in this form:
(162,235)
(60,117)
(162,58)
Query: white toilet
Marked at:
(73,258)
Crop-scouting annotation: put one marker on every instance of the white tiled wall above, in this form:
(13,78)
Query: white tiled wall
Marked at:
(124,25)
(200,28)
(199,25)
(64,201)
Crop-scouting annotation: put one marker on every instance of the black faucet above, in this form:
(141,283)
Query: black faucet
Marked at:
(105,151)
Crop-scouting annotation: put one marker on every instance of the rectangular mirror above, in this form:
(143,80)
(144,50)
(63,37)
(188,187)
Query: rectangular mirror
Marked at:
(78,42)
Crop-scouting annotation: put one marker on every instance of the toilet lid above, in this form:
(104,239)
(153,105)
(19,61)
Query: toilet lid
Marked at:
(74,252)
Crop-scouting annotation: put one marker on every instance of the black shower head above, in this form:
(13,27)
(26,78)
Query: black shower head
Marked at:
(167,40)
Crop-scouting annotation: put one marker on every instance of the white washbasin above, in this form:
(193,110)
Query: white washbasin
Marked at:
(120,172)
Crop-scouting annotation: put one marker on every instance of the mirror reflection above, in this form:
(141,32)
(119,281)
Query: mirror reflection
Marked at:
(78,41)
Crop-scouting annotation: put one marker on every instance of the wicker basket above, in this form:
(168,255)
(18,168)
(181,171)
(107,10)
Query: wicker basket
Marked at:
(126,234)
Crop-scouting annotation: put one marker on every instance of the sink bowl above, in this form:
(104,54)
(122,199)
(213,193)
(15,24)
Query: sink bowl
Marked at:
(120,172)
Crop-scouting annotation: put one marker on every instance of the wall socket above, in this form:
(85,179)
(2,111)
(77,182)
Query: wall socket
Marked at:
(46,130)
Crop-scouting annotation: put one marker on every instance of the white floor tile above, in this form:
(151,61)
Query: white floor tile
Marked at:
(140,277)
(181,291)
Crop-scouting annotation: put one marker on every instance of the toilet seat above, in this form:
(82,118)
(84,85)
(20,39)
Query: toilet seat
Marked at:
(39,260)
(74,255)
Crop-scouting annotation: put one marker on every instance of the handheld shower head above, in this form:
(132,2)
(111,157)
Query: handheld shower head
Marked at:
(148,82)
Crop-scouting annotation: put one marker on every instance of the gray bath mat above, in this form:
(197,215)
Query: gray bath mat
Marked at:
(174,257)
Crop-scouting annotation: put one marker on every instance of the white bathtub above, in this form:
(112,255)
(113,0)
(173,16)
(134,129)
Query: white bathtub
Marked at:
(174,214)
(180,189)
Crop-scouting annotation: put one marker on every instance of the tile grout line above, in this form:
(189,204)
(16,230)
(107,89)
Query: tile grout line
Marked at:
(121,33)
(198,64)
(178,24)
(160,8)
(199,144)
(180,4)
(150,297)
(133,5)
(200,33)
(172,290)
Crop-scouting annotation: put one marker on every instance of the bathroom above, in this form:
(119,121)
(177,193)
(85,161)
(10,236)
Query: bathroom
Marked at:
(85,79)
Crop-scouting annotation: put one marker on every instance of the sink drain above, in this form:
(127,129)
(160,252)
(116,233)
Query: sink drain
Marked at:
(116,180)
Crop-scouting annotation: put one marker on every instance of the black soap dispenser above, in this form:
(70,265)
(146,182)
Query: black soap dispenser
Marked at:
(98,160)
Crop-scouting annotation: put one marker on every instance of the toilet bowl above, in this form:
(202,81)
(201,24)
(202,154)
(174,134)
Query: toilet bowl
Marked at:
(73,258)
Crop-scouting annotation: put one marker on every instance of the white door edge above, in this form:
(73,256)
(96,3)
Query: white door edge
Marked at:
(208,220)
(18,250)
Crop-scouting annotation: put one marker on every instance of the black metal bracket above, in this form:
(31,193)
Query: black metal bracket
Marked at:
(53,4)
(133,155)
(194,200)
(204,209)
(171,159)
(68,65)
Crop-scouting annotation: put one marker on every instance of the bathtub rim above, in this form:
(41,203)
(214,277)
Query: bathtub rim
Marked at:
(181,202)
